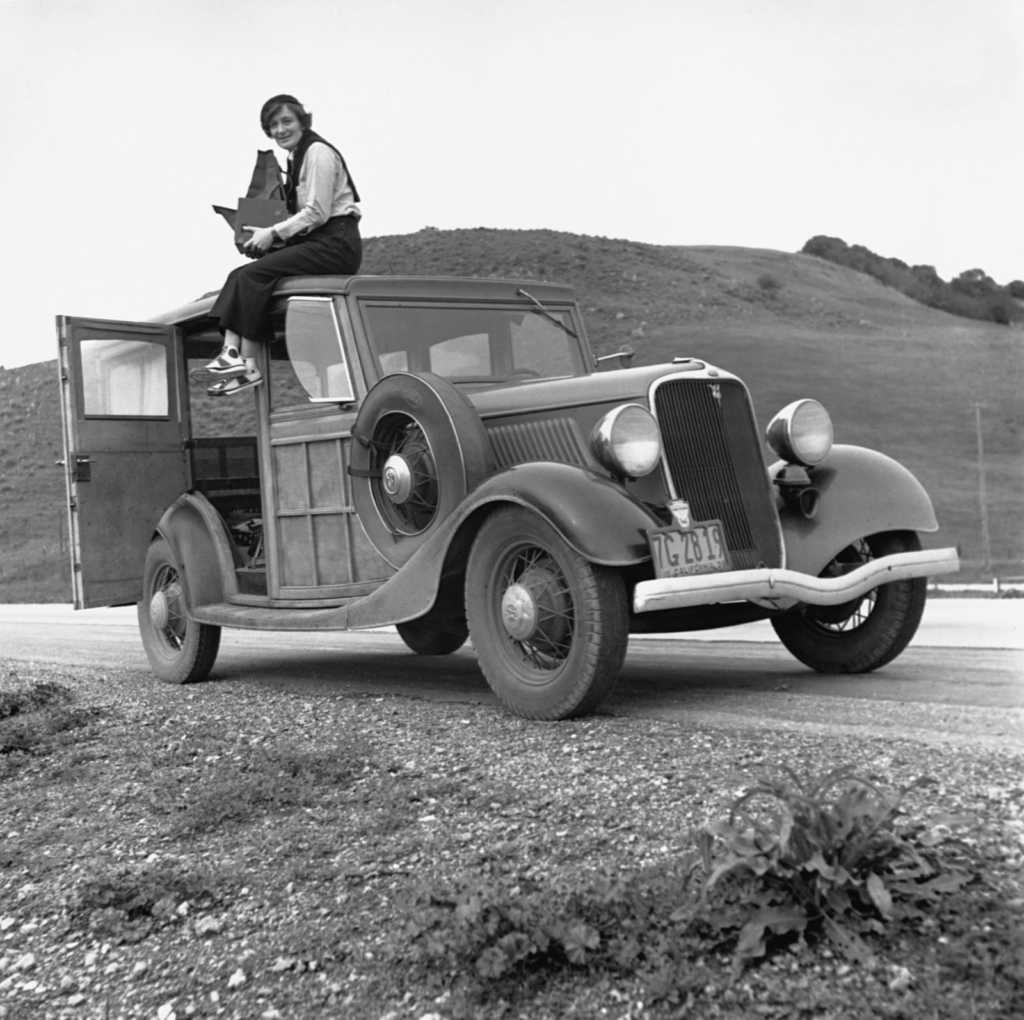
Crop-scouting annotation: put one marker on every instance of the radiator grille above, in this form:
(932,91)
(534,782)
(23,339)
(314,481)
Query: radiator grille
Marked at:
(555,439)
(713,456)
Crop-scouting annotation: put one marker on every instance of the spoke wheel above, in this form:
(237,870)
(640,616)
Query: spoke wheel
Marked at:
(864,633)
(179,649)
(550,628)
(419,448)
(404,475)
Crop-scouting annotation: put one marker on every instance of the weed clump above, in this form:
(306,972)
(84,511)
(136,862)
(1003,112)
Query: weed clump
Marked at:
(32,698)
(262,781)
(497,936)
(835,856)
(794,860)
(34,718)
(129,904)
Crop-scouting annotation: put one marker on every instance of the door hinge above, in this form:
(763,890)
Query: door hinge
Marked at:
(81,470)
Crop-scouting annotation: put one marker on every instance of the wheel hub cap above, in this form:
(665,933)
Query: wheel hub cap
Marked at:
(518,612)
(158,611)
(396,479)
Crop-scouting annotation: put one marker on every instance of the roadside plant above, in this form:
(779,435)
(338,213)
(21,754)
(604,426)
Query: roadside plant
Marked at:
(836,856)
(128,904)
(494,936)
(34,718)
(31,698)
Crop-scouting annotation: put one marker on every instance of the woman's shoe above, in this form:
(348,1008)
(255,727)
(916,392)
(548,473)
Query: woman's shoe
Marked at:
(229,387)
(228,362)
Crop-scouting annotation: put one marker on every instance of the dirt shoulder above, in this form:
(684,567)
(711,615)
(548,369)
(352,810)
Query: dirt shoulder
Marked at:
(235,851)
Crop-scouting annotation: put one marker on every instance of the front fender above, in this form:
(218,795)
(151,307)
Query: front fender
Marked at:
(863,492)
(594,516)
(202,549)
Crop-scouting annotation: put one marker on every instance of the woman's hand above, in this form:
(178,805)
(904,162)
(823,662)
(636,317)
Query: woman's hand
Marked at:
(261,241)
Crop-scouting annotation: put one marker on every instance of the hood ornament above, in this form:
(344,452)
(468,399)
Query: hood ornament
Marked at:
(680,511)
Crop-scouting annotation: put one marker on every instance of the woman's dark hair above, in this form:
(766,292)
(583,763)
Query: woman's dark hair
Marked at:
(274,103)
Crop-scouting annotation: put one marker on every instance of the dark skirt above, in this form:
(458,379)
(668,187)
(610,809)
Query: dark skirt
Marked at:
(243,304)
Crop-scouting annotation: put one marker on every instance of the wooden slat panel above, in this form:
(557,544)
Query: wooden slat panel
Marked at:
(325,479)
(290,472)
(296,552)
(332,553)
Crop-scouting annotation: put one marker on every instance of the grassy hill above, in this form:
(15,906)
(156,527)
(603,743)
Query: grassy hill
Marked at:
(896,375)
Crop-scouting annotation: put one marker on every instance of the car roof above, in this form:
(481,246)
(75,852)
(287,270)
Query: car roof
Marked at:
(409,288)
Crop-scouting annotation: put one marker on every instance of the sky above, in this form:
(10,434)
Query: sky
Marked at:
(889,123)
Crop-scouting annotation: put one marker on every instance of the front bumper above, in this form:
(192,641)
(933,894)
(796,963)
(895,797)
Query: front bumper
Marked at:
(776,588)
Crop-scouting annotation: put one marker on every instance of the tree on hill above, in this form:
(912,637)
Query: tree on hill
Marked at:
(973,294)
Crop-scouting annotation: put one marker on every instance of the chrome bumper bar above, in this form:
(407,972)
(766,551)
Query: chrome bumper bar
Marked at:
(776,588)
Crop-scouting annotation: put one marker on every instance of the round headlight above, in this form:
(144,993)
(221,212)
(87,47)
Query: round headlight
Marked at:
(627,441)
(801,432)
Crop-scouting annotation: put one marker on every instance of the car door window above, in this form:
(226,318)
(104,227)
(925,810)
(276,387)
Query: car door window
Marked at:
(316,351)
(123,379)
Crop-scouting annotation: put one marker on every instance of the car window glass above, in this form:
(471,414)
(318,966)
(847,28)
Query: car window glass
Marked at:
(315,350)
(124,379)
(538,345)
(393,361)
(480,345)
(462,356)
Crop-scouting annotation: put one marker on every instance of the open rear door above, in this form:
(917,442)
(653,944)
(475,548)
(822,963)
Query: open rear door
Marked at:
(124,449)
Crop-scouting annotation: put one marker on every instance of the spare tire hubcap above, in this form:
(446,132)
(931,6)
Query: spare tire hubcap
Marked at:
(396,478)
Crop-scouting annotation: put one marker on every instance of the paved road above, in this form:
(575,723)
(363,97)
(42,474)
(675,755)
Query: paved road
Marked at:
(961,681)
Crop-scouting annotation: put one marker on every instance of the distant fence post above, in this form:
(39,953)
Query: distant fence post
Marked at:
(986,542)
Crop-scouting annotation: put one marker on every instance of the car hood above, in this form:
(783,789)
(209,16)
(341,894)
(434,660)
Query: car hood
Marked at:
(597,388)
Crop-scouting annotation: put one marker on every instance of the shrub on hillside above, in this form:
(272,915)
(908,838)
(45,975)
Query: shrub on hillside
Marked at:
(973,294)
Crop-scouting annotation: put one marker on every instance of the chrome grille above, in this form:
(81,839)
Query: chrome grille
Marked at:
(713,458)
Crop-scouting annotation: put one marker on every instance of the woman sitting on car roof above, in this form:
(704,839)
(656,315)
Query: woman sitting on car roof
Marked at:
(321,236)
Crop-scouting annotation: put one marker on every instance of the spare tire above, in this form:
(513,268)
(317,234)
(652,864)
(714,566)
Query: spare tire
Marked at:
(418,448)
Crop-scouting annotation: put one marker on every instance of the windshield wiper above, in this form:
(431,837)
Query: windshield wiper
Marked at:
(550,316)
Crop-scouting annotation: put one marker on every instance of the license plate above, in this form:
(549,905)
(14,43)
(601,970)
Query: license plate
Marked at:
(699,549)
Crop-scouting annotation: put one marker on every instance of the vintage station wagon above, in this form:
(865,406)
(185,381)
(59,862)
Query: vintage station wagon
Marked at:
(448,456)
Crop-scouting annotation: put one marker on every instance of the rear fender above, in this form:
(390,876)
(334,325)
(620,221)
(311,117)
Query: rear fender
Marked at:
(202,549)
(863,492)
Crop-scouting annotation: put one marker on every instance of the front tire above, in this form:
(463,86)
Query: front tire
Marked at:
(550,628)
(180,651)
(865,633)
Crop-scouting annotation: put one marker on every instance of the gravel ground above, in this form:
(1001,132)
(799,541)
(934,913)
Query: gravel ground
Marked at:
(227,850)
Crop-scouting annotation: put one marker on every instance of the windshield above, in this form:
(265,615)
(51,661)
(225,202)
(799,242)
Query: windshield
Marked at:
(476,346)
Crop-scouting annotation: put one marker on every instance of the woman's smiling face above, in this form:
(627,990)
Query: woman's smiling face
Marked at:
(285,128)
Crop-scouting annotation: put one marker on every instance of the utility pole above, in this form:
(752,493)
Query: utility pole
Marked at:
(986,543)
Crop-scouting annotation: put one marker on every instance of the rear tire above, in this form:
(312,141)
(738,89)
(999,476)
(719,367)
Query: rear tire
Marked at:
(435,633)
(180,651)
(550,628)
(865,633)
